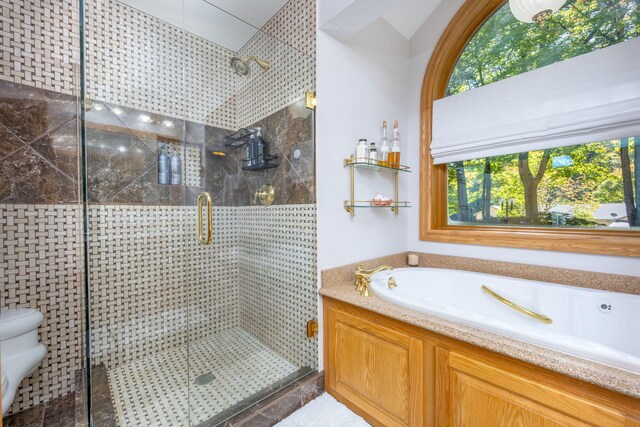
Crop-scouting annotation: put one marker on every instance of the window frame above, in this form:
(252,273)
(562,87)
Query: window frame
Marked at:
(433,178)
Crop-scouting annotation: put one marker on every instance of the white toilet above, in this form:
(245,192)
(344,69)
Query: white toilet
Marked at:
(20,349)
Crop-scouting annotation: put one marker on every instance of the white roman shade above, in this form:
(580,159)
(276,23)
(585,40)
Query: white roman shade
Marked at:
(588,98)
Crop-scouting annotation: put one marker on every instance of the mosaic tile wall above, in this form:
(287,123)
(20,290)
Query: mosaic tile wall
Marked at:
(40,268)
(40,43)
(295,25)
(277,278)
(145,267)
(287,41)
(139,61)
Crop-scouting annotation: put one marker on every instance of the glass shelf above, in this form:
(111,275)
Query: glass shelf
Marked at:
(368,204)
(375,167)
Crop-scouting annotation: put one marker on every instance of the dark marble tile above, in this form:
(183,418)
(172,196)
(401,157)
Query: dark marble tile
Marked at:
(101,403)
(30,112)
(312,388)
(114,161)
(8,142)
(32,417)
(60,412)
(289,134)
(81,401)
(274,403)
(107,422)
(145,190)
(25,177)
(61,147)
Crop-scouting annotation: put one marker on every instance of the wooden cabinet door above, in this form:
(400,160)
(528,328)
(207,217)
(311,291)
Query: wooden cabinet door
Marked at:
(375,369)
(474,392)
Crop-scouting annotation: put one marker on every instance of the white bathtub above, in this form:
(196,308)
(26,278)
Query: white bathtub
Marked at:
(583,324)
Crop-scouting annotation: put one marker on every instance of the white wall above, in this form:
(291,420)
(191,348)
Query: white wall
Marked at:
(360,82)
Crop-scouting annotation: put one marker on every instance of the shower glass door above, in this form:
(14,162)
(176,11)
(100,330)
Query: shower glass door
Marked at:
(252,291)
(141,214)
(184,102)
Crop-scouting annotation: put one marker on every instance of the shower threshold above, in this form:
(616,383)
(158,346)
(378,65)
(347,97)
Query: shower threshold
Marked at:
(161,390)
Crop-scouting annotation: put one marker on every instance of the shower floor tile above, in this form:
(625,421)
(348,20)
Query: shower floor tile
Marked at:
(154,391)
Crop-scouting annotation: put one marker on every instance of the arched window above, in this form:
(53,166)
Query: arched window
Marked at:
(505,47)
(580,198)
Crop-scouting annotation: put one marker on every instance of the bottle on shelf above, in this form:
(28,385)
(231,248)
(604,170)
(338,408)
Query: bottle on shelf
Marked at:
(362,151)
(373,154)
(394,154)
(383,155)
(164,166)
(260,148)
(176,168)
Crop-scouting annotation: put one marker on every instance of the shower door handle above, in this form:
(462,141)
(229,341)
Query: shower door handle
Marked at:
(205,237)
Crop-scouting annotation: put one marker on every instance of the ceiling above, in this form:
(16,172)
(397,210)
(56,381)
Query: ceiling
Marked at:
(228,23)
(344,18)
(408,15)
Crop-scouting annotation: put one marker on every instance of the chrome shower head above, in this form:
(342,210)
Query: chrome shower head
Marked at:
(242,68)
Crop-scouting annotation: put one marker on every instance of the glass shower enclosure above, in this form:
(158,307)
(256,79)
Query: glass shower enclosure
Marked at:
(200,210)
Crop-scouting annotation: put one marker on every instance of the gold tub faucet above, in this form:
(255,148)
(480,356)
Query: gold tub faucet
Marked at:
(363,278)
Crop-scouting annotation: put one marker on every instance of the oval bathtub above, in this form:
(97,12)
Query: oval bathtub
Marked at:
(597,325)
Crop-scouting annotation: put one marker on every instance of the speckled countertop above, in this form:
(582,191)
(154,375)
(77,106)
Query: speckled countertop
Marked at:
(338,284)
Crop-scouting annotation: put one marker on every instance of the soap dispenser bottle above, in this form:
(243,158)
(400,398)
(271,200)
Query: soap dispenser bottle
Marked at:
(250,160)
(164,167)
(260,148)
(176,168)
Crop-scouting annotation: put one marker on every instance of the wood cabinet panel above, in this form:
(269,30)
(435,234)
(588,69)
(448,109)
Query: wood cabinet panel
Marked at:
(480,393)
(378,369)
(396,374)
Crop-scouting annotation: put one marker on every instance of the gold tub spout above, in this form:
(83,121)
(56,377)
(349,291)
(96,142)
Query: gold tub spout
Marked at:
(363,278)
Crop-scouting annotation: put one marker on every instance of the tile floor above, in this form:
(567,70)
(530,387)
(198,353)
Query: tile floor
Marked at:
(154,392)
(324,411)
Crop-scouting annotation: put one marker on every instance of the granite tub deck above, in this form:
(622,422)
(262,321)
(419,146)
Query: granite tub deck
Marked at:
(337,283)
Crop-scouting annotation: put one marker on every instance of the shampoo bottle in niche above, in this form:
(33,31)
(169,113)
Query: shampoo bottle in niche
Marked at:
(260,148)
(164,166)
(394,154)
(176,168)
(250,160)
(362,151)
(383,155)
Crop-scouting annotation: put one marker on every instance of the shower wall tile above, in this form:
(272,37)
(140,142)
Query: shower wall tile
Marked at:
(291,75)
(288,130)
(150,279)
(277,278)
(288,42)
(139,61)
(40,42)
(295,25)
(40,268)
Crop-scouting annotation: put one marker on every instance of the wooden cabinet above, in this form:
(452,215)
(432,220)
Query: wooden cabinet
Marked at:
(395,374)
(377,369)
(476,392)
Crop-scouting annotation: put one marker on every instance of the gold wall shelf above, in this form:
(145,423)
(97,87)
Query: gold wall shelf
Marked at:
(351,204)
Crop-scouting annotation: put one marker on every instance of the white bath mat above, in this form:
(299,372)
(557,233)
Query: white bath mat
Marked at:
(324,411)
